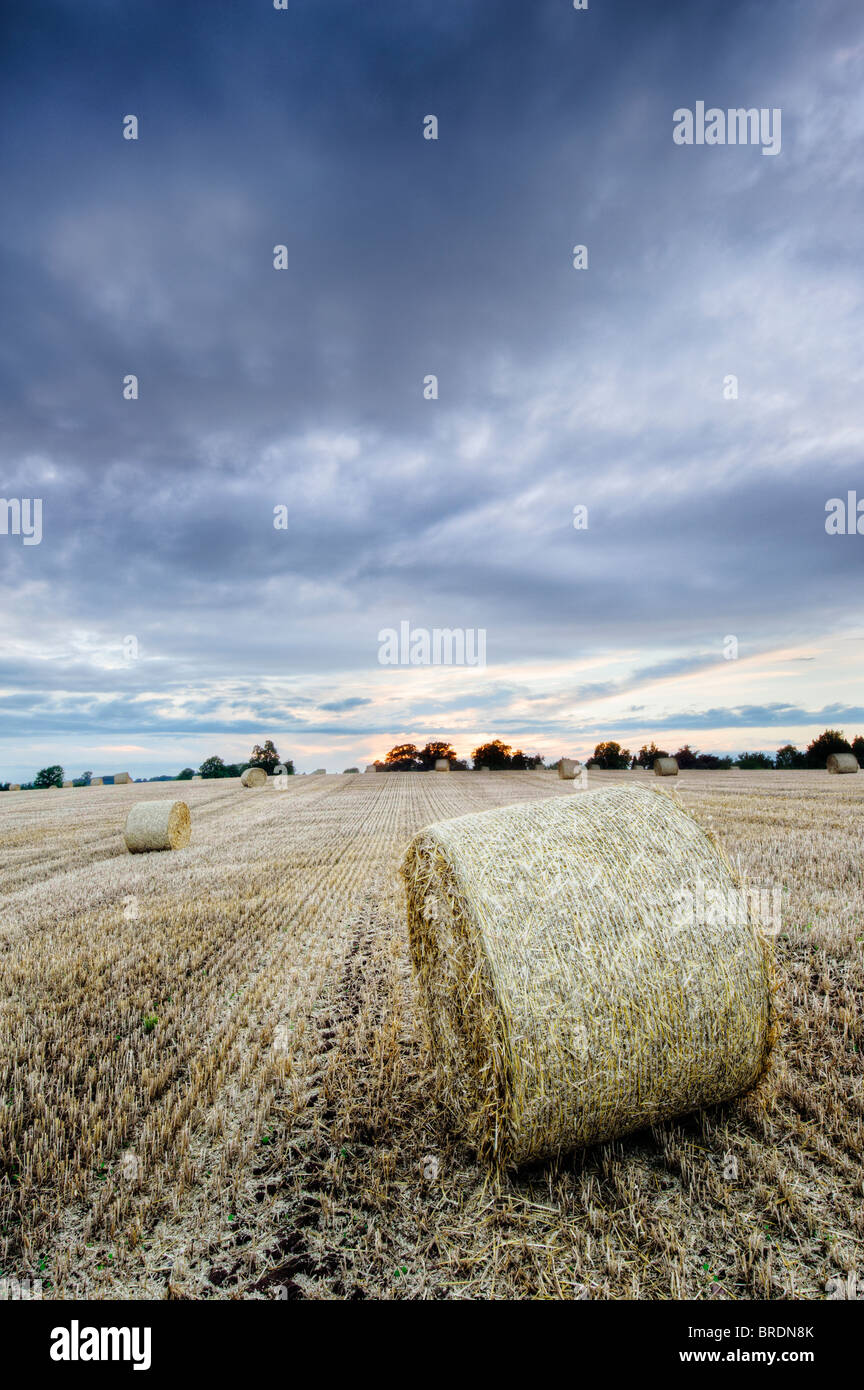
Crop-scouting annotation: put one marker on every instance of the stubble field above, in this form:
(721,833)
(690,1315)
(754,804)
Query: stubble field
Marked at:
(214,1081)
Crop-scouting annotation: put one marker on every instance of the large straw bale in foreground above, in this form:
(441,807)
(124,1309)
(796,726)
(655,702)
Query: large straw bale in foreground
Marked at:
(665,767)
(152,825)
(253,777)
(588,965)
(842,762)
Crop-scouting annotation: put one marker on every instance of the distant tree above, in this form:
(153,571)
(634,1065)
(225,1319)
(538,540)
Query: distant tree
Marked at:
(858,749)
(753,761)
(526,762)
(352,769)
(831,741)
(213,767)
(84,780)
(49,777)
(710,762)
(185,776)
(495,755)
(789,757)
(4,786)
(686,757)
(403,758)
(429,755)
(646,755)
(610,756)
(266,757)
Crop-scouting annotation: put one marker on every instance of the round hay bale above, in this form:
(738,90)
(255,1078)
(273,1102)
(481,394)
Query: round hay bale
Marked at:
(568,768)
(587,965)
(152,825)
(371,768)
(665,767)
(253,777)
(442,764)
(842,762)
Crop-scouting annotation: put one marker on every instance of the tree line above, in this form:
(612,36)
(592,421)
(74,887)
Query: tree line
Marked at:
(499,756)
(407,757)
(610,756)
(263,755)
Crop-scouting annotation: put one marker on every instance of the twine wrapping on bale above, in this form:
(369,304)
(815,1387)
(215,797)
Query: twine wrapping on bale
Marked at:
(842,762)
(253,777)
(575,983)
(568,769)
(152,825)
(665,767)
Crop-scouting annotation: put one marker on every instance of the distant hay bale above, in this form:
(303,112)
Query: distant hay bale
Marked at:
(253,777)
(484,769)
(14,786)
(842,762)
(196,777)
(371,768)
(154,825)
(568,768)
(665,767)
(120,778)
(96,781)
(575,985)
(442,764)
(67,784)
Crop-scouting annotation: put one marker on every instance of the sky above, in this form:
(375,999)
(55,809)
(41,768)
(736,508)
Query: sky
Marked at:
(163,617)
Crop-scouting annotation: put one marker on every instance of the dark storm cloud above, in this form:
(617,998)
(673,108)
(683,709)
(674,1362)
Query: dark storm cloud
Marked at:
(409,257)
